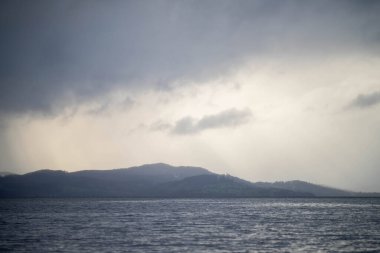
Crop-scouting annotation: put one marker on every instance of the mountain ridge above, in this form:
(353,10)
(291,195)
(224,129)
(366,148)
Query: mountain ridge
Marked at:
(157,180)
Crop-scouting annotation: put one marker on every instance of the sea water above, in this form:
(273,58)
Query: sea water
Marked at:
(190,225)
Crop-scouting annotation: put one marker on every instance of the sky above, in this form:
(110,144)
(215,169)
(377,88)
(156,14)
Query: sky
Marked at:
(262,90)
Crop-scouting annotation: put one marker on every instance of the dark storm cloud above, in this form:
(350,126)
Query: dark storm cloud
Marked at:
(227,118)
(57,53)
(366,100)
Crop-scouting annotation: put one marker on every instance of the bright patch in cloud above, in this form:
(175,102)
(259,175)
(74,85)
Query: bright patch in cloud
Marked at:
(225,119)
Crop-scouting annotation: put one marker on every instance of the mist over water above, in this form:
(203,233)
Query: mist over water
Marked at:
(190,225)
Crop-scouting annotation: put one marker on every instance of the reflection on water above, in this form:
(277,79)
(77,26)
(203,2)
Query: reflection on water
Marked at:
(179,225)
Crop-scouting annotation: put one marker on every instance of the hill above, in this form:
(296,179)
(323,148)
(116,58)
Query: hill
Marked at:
(155,181)
(5,173)
(152,180)
(129,182)
(316,190)
(221,186)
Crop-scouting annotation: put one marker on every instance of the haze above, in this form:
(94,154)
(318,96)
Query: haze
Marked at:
(262,90)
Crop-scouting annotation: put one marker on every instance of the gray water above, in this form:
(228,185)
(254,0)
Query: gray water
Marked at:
(190,225)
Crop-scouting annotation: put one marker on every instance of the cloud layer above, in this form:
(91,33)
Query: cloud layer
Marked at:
(366,100)
(225,119)
(60,53)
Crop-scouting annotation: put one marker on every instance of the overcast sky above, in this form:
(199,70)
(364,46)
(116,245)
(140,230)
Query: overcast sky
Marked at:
(263,90)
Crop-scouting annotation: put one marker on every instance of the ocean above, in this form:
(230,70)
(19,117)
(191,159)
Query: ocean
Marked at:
(190,225)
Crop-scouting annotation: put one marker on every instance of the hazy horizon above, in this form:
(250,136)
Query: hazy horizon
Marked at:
(262,90)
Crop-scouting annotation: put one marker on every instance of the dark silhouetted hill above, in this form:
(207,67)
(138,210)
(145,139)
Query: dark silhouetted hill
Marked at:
(131,182)
(149,173)
(6,173)
(317,190)
(217,186)
(154,181)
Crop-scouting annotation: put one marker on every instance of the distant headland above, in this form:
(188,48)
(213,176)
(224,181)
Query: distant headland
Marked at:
(155,181)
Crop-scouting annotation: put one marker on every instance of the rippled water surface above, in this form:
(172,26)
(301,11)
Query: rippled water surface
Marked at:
(190,225)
